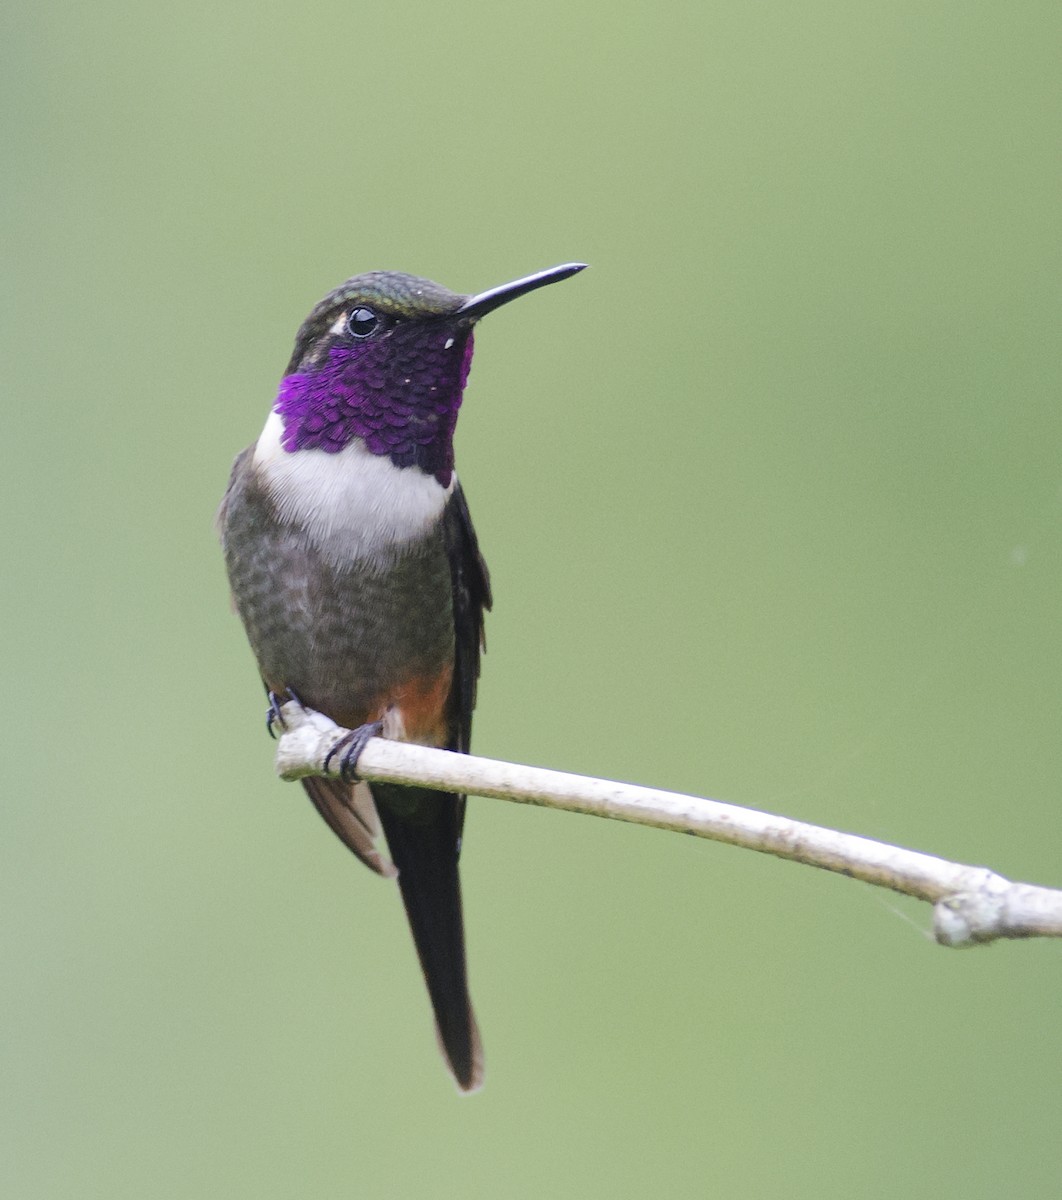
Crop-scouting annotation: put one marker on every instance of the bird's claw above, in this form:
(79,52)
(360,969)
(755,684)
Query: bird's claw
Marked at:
(274,715)
(352,744)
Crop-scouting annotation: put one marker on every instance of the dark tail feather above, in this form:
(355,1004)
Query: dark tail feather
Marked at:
(423,829)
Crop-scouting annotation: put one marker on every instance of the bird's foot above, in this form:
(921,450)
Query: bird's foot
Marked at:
(352,744)
(274,716)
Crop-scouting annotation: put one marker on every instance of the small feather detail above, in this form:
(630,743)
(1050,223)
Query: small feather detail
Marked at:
(400,395)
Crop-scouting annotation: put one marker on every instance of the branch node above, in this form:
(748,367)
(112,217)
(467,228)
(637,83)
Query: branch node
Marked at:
(305,740)
(969,918)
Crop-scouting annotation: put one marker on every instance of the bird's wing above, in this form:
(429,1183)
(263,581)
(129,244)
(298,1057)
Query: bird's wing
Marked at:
(471,598)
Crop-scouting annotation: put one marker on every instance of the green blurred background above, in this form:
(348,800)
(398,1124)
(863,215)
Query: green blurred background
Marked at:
(772,497)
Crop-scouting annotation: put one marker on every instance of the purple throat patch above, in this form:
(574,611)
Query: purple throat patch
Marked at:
(399,394)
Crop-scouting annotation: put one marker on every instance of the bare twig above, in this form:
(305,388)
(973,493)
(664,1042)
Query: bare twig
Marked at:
(971,904)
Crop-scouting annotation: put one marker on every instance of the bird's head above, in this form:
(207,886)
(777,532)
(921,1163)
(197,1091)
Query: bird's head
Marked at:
(385,358)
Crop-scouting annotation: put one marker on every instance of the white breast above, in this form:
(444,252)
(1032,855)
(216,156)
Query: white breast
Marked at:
(353,504)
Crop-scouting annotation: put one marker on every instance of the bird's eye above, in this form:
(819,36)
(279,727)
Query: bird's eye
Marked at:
(362,322)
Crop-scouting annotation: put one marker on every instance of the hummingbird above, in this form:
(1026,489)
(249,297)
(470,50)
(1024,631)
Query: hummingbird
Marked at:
(356,572)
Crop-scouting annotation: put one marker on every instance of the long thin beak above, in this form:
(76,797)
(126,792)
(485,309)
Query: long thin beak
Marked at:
(478,306)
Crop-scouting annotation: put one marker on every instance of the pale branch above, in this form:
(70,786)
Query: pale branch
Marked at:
(970,904)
